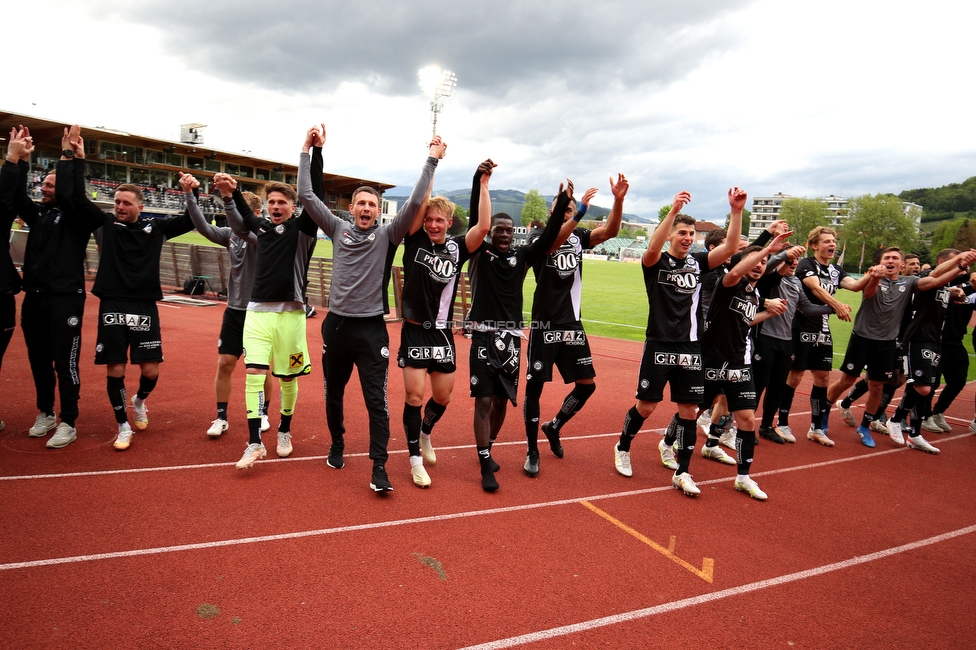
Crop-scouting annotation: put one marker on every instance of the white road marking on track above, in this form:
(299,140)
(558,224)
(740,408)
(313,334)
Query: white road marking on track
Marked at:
(718,595)
(173,468)
(415,520)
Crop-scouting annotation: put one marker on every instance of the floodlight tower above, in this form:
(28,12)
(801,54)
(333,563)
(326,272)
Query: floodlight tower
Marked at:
(438,84)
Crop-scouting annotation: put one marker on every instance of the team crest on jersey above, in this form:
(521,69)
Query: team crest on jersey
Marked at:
(372,236)
(512,261)
(280,228)
(57,219)
(148,228)
(474,380)
(537,366)
(500,344)
(73,321)
(385,352)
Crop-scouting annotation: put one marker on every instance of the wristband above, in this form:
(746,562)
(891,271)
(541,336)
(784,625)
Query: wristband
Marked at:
(961,267)
(579,213)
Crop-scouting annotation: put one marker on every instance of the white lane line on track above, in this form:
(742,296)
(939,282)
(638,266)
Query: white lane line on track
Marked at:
(718,595)
(418,520)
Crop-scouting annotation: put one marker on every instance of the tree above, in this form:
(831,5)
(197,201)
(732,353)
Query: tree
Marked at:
(663,212)
(534,208)
(459,223)
(746,220)
(804,215)
(966,237)
(878,222)
(945,234)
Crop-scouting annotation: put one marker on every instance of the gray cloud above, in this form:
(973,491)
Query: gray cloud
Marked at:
(499,50)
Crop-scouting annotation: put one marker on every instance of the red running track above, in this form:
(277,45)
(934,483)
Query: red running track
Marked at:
(167,545)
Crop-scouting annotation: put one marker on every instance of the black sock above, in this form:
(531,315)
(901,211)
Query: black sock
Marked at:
(818,400)
(264,406)
(254,430)
(530,413)
(222,411)
(785,404)
(117,398)
(745,448)
(411,425)
(284,426)
(887,392)
(146,386)
(432,413)
(908,402)
(859,389)
(671,433)
(867,419)
(714,431)
(572,404)
(687,435)
(632,424)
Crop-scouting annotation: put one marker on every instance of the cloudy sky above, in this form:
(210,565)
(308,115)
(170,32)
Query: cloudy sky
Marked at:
(808,98)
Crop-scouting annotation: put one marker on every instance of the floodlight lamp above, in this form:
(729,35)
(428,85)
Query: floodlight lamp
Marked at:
(429,78)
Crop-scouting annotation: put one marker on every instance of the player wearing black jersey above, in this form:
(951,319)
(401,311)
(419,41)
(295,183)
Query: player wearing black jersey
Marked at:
(813,347)
(672,352)
(498,270)
(54,278)
(19,148)
(354,331)
(955,358)
(127,284)
(557,335)
(431,265)
(727,353)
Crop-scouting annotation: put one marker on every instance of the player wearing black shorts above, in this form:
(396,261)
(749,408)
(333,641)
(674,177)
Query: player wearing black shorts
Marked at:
(127,284)
(431,266)
(813,347)
(497,270)
(922,339)
(242,249)
(557,336)
(955,358)
(672,352)
(727,353)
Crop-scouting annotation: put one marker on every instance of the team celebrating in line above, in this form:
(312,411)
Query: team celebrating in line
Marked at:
(724,325)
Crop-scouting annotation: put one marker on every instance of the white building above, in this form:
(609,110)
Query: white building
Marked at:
(766,209)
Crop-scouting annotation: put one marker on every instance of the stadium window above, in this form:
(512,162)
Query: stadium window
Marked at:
(247,172)
(232,169)
(94,169)
(291,179)
(263,174)
(212,165)
(139,176)
(116,173)
(194,163)
(277,176)
(173,159)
